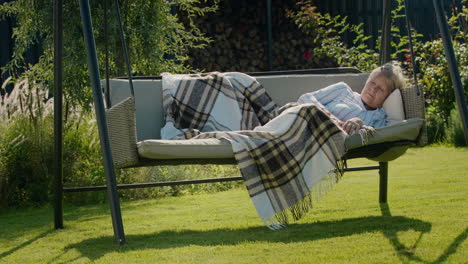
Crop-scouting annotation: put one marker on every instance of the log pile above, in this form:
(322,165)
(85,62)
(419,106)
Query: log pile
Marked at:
(239,35)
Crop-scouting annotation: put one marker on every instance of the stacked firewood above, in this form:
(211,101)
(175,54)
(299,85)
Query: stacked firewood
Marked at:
(239,35)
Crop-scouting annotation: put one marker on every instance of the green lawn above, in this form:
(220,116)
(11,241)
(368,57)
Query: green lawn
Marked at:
(425,221)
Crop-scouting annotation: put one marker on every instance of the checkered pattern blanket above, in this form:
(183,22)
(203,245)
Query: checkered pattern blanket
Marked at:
(289,157)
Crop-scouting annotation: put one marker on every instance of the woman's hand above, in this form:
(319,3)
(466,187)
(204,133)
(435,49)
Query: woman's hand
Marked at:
(352,125)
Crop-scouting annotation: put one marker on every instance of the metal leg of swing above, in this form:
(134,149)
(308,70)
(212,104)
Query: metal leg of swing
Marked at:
(101,122)
(383,173)
(269,36)
(385,48)
(58,126)
(113,196)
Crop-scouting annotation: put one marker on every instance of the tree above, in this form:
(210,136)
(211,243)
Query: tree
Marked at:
(157,40)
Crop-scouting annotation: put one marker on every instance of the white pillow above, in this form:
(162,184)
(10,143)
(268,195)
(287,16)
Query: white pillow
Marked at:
(393,106)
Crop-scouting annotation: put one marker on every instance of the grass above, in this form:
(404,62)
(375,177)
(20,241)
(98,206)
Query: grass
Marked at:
(425,221)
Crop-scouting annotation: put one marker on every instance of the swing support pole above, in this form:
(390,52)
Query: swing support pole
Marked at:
(385,48)
(452,65)
(269,36)
(101,121)
(58,120)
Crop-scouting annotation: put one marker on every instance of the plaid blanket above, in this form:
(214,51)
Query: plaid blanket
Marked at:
(213,102)
(289,157)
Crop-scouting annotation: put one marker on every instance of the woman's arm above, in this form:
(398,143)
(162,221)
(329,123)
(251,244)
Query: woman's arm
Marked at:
(325,95)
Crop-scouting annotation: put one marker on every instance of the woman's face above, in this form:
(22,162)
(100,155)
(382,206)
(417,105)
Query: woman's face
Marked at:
(375,91)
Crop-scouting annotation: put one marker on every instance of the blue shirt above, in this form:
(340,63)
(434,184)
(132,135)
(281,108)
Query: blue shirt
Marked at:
(345,104)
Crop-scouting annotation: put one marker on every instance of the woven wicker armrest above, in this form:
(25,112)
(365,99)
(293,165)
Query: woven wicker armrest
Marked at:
(122,133)
(413,101)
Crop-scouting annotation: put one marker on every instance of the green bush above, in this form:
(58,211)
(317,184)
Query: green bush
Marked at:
(177,173)
(27,162)
(27,147)
(435,126)
(157,40)
(27,156)
(454,129)
(435,76)
(430,55)
(329,48)
(25,159)
(82,159)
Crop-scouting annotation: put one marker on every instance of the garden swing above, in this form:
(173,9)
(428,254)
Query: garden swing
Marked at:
(128,141)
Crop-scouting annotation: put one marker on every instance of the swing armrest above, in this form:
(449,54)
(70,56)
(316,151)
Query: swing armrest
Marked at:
(413,102)
(121,126)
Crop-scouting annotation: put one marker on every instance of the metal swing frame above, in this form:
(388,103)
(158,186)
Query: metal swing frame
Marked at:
(111,184)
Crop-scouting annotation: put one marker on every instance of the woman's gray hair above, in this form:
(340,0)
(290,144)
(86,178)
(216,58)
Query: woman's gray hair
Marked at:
(393,73)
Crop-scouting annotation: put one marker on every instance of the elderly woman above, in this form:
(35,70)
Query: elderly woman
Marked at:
(354,110)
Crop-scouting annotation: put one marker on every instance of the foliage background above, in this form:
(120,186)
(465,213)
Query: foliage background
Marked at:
(157,42)
(156,39)
(432,68)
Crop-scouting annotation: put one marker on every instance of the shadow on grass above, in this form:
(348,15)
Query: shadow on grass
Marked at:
(24,244)
(453,247)
(407,253)
(402,251)
(95,248)
(19,221)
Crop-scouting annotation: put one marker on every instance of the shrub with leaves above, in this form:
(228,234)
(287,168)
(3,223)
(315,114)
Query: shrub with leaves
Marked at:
(27,155)
(435,75)
(435,126)
(454,132)
(157,40)
(328,32)
(24,151)
(27,146)
(177,173)
(430,55)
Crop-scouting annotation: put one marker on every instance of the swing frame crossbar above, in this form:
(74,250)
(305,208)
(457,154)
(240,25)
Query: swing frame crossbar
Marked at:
(183,182)
(111,186)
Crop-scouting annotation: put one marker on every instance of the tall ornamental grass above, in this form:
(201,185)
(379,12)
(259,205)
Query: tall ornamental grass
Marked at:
(24,145)
(27,155)
(27,146)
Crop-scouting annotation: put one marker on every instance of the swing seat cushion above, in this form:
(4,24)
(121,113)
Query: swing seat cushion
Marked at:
(217,149)
(185,149)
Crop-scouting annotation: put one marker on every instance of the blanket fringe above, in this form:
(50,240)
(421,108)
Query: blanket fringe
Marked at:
(298,210)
